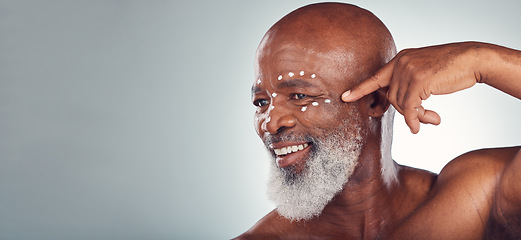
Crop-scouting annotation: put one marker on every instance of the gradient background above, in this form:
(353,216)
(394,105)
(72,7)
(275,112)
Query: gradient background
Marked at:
(133,119)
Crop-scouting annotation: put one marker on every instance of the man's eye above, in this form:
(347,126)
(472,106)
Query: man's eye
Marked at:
(261,102)
(299,96)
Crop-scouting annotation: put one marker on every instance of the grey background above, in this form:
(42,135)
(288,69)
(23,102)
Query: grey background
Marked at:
(132,119)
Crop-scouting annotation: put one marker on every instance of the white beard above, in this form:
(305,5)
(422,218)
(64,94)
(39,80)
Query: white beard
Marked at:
(302,196)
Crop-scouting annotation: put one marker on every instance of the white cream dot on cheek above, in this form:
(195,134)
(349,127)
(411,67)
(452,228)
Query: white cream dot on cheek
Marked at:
(272,107)
(290,74)
(268,119)
(313,75)
(280,77)
(274,94)
(303,109)
(314,104)
(327,101)
(301,73)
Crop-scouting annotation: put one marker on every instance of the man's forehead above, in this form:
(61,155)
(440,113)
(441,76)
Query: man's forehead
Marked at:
(333,67)
(290,62)
(289,54)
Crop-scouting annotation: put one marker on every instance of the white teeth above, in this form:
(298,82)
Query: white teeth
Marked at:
(283,151)
(290,149)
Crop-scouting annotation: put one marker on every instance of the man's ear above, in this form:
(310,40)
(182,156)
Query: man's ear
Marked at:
(377,102)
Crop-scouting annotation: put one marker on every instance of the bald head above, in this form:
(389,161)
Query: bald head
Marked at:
(356,41)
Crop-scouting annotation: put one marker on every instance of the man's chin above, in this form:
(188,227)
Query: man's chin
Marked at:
(303,189)
(303,195)
(293,172)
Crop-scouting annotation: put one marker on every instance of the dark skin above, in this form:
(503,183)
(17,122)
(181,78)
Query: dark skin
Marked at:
(476,196)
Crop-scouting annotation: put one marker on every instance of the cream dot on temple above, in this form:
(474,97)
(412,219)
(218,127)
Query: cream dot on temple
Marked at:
(291,74)
(301,73)
(303,109)
(327,100)
(274,94)
(313,75)
(314,104)
(280,77)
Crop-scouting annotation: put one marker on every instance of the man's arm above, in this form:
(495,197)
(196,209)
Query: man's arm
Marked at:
(416,74)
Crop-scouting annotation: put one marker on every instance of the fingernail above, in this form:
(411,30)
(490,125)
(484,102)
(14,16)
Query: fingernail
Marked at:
(345,94)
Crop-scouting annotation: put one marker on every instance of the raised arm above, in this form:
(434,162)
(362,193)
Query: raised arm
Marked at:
(416,74)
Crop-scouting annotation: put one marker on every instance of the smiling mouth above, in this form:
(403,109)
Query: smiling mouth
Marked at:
(290,149)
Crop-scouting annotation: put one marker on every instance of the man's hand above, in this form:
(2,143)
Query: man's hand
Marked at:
(413,75)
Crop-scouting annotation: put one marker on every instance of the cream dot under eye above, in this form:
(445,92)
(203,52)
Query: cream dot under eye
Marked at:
(314,104)
(280,77)
(303,109)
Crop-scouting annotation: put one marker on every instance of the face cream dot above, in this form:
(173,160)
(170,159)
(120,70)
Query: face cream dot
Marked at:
(268,119)
(290,74)
(280,77)
(327,100)
(274,94)
(301,73)
(258,81)
(272,107)
(313,75)
(314,104)
(303,109)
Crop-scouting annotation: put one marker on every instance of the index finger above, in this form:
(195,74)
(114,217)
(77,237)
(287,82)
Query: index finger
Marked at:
(380,79)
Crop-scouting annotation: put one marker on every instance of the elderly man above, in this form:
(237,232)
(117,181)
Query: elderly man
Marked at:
(332,174)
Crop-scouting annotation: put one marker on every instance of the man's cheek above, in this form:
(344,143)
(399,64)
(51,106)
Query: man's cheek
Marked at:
(320,112)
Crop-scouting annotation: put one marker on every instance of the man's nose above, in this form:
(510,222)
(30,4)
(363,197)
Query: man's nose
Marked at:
(278,119)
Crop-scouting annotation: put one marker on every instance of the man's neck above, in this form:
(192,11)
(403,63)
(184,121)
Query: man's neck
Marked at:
(367,204)
(363,208)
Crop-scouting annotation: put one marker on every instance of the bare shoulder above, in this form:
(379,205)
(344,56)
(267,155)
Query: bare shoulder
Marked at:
(270,226)
(475,180)
(477,167)
(474,177)
(459,203)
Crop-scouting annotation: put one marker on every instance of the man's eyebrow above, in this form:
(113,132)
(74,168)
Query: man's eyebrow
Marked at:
(295,83)
(285,84)
(255,89)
